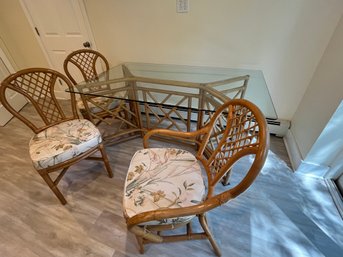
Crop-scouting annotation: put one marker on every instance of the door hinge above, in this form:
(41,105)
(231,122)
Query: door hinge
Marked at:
(37,31)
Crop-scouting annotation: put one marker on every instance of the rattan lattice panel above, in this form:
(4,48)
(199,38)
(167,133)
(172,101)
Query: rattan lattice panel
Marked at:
(234,130)
(167,110)
(37,86)
(86,62)
(89,62)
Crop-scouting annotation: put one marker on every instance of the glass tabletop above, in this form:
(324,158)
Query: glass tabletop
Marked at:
(170,85)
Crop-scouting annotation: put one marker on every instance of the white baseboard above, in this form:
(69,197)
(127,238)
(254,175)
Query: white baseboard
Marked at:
(296,159)
(292,150)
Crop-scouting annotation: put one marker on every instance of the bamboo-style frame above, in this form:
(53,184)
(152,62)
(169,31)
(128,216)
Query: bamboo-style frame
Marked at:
(236,129)
(150,107)
(242,131)
(90,64)
(38,86)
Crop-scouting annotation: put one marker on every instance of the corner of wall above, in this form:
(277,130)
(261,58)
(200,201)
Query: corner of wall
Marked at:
(292,150)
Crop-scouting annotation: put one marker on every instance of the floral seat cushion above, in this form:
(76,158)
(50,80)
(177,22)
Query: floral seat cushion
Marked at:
(63,142)
(105,103)
(160,178)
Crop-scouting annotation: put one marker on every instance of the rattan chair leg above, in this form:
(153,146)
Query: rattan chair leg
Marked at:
(140,244)
(85,115)
(226,178)
(189,229)
(53,187)
(204,225)
(106,161)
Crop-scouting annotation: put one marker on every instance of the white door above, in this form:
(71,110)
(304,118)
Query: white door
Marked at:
(61,27)
(16,100)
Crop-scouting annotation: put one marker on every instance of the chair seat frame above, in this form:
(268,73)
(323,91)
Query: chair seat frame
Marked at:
(257,144)
(38,86)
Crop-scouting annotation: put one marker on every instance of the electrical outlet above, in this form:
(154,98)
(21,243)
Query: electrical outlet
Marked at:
(182,6)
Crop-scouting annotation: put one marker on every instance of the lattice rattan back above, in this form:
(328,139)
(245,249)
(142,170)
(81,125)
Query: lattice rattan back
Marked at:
(238,129)
(38,86)
(87,62)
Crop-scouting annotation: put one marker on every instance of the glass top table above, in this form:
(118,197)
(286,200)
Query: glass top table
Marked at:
(221,83)
(146,96)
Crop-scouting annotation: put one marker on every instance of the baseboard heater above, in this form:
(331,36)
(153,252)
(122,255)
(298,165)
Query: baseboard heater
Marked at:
(278,127)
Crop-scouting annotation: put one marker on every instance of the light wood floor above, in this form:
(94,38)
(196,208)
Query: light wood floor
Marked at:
(282,213)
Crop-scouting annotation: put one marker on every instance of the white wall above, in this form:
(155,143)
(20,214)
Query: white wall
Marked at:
(325,156)
(16,37)
(322,97)
(329,144)
(285,39)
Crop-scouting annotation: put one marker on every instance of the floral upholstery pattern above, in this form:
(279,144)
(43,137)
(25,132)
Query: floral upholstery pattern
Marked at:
(63,142)
(176,171)
(105,103)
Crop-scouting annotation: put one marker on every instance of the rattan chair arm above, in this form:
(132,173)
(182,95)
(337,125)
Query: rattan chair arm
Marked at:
(201,208)
(133,222)
(173,134)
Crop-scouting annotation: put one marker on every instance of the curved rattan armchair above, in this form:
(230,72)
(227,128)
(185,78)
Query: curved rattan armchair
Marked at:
(89,63)
(165,189)
(60,138)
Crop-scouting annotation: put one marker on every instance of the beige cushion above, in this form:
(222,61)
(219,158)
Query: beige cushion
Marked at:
(63,142)
(160,178)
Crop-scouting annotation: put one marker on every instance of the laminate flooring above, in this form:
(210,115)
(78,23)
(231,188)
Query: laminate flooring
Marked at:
(281,214)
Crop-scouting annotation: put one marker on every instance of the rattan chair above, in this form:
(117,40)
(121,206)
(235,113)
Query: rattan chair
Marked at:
(165,188)
(90,63)
(60,138)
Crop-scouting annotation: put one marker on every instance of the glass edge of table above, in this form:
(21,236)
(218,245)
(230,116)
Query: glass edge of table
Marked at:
(151,104)
(116,74)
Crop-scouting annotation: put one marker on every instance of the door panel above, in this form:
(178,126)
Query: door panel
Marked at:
(61,26)
(17,101)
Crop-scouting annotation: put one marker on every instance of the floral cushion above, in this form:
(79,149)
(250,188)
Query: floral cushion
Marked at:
(106,103)
(63,142)
(160,178)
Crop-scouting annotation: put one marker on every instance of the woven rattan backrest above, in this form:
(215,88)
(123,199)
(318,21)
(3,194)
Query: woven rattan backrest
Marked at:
(38,86)
(87,62)
(238,129)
